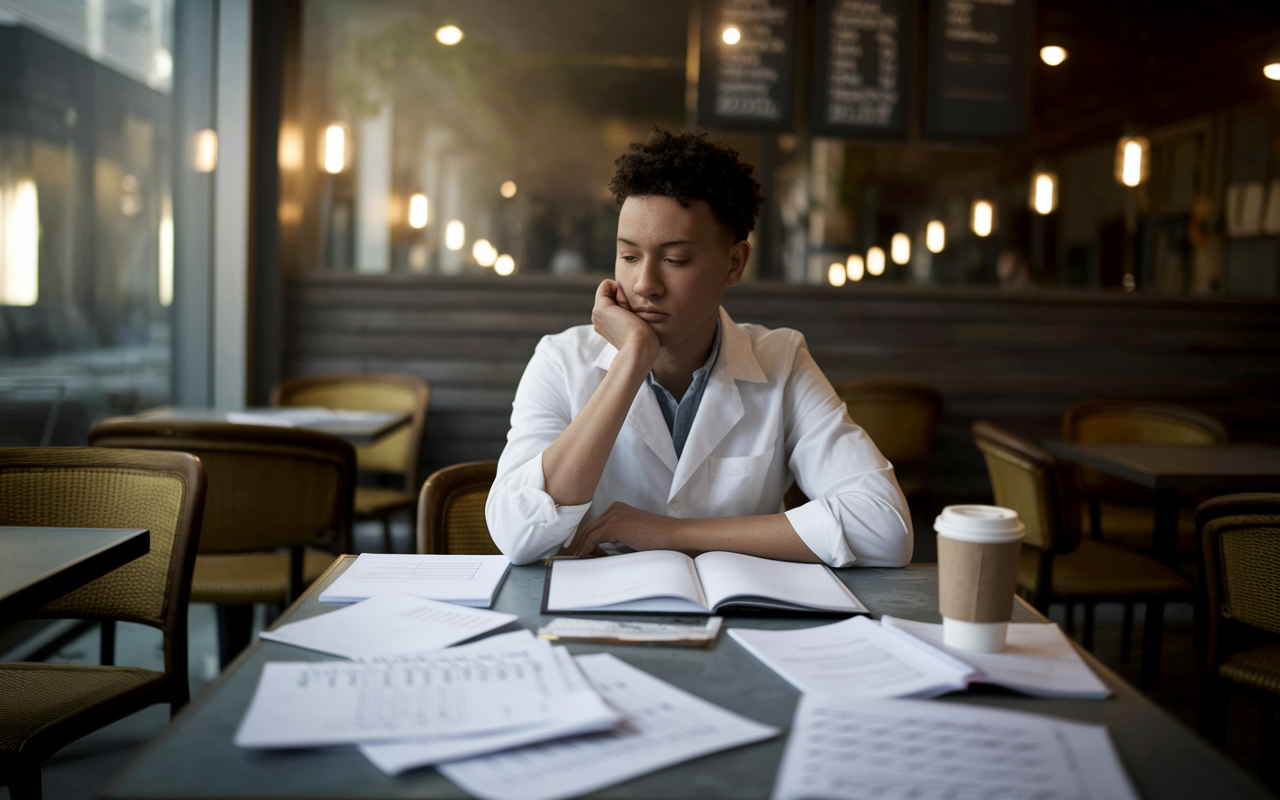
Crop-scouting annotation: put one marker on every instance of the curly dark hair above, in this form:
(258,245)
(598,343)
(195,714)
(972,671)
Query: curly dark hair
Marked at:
(688,167)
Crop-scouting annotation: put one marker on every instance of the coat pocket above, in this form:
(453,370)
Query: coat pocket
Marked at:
(737,484)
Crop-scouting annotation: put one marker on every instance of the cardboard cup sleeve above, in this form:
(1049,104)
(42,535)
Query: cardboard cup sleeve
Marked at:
(976,580)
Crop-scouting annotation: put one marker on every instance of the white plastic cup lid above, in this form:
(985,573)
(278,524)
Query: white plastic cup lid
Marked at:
(974,523)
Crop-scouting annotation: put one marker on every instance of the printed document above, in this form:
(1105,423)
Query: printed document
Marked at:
(462,580)
(1037,660)
(495,685)
(845,748)
(855,657)
(662,726)
(388,624)
(668,582)
(580,710)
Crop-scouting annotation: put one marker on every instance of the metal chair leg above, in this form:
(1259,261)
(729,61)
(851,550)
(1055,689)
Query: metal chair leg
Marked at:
(235,625)
(1126,634)
(1087,639)
(107,658)
(1269,745)
(22,777)
(1152,630)
(387,546)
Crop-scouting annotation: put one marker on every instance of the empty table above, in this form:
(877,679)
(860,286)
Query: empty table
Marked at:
(358,427)
(38,565)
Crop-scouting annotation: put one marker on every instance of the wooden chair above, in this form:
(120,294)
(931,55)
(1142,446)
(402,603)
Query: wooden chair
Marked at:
(1121,510)
(451,511)
(1240,544)
(1057,565)
(269,489)
(44,707)
(902,419)
(395,454)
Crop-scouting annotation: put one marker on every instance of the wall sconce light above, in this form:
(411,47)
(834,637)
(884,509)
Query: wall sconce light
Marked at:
(1053,55)
(1044,192)
(875,261)
(484,253)
(982,217)
(205,156)
(335,148)
(900,248)
(935,236)
(449,35)
(836,275)
(455,235)
(20,256)
(419,211)
(1132,160)
(731,35)
(854,267)
(505,265)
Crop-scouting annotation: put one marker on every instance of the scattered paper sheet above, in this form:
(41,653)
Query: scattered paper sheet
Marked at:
(855,657)
(844,747)
(697,633)
(299,416)
(388,624)
(462,580)
(1037,660)
(493,685)
(663,726)
(579,710)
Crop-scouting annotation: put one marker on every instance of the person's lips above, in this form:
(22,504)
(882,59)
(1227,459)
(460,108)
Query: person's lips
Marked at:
(651,315)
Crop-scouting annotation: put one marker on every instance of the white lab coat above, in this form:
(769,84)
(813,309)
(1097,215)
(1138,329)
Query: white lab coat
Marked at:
(768,414)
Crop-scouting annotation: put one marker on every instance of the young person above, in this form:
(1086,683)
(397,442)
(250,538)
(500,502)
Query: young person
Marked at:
(664,424)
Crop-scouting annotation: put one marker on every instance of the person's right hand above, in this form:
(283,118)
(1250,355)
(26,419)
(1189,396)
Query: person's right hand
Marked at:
(614,320)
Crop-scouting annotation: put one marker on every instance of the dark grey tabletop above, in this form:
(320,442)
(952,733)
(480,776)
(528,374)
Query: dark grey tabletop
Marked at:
(369,428)
(42,564)
(195,756)
(1177,467)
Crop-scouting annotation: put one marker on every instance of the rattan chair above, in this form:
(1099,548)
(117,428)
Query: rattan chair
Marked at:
(1121,510)
(396,454)
(902,419)
(270,489)
(451,510)
(1240,541)
(1057,565)
(44,707)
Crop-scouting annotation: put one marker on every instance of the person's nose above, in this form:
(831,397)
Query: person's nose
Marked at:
(648,278)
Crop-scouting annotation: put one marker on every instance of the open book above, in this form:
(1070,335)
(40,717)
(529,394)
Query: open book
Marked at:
(667,582)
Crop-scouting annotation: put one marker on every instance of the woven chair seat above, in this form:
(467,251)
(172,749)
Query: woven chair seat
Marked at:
(1259,669)
(372,501)
(1095,569)
(36,696)
(242,579)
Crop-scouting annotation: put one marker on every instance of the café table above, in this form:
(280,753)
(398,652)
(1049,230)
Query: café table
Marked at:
(1167,469)
(363,428)
(38,565)
(195,756)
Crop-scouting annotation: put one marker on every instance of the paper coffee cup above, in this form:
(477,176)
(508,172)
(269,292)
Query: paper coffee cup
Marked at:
(978,552)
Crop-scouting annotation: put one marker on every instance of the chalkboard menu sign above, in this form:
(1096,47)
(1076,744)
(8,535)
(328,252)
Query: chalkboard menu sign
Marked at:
(747,64)
(979,67)
(863,72)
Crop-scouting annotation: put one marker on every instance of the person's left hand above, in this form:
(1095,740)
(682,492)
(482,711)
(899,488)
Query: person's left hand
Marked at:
(624,524)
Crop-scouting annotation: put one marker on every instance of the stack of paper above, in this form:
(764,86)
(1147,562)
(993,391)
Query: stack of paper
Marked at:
(842,748)
(463,580)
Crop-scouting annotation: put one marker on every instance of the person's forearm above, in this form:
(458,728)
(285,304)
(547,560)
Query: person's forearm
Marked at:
(770,536)
(574,462)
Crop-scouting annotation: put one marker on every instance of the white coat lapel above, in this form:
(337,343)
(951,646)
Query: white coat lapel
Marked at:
(645,417)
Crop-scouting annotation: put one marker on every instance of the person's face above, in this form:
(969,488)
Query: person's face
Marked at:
(674,264)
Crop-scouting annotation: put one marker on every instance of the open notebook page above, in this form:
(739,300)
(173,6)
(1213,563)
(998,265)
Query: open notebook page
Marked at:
(779,584)
(650,580)
(465,580)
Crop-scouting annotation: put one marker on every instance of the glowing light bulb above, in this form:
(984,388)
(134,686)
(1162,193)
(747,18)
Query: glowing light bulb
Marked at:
(484,253)
(455,235)
(419,211)
(1131,172)
(449,35)
(982,217)
(935,236)
(20,258)
(731,35)
(854,267)
(1272,71)
(900,248)
(1053,55)
(836,275)
(1044,192)
(507,189)
(875,261)
(206,150)
(335,148)
(504,265)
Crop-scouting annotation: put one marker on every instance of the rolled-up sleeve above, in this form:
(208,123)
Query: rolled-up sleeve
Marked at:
(858,514)
(525,522)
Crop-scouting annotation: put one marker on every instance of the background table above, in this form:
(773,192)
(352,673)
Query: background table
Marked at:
(1166,469)
(195,757)
(358,432)
(42,564)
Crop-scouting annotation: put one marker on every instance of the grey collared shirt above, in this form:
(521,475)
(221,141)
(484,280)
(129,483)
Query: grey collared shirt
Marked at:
(679,416)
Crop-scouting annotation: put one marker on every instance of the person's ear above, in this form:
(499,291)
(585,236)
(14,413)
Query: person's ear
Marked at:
(739,254)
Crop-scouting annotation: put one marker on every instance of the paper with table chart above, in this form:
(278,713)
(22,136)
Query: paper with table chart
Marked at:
(844,748)
(1037,660)
(388,624)
(498,684)
(855,657)
(463,580)
(662,726)
(580,711)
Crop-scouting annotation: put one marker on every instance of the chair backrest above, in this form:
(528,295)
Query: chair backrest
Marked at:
(268,487)
(900,417)
(89,487)
(1240,541)
(1029,480)
(396,452)
(451,510)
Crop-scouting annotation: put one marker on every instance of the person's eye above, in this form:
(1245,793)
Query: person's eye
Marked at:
(677,262)
(627,257)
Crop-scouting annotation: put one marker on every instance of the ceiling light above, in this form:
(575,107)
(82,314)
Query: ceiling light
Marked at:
(875,261)
(900,248)
(835,274)
(507,189)
(854,267)
(1053,55)
(419,211)
(1272,71)
(1131,160)
(731,35)
(449,34)
(982,217)
(935,236)
(455,235)
(504,265)
(484,253)
(1044,192)
(335,148)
